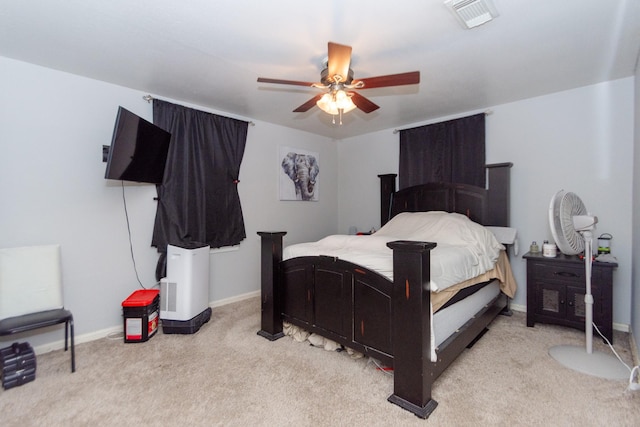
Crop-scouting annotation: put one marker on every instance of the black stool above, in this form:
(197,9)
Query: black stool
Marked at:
(42,319)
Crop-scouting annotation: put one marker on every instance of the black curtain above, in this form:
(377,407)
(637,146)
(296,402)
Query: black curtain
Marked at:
(451,151)
(198,201)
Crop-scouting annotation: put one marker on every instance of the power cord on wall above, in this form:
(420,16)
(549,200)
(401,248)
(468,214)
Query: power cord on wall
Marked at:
(133,258)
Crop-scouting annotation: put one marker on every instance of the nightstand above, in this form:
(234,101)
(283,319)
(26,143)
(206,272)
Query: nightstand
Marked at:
(556,288)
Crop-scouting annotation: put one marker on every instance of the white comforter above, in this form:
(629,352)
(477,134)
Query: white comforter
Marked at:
(464,248)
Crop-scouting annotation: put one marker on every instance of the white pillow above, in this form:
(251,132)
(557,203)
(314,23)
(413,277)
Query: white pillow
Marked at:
(443,227)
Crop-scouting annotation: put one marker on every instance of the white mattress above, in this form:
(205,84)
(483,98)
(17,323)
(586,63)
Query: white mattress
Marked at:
(448,320)
(464,249)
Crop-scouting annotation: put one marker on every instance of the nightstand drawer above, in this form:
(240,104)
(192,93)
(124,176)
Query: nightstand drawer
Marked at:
(552,272)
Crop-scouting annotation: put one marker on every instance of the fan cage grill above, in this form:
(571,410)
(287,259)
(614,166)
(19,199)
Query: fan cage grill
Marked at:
(565,206)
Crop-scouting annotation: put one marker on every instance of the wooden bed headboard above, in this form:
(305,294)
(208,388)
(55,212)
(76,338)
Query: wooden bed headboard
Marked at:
(486,206)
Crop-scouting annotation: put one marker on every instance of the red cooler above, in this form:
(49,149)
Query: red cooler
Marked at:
(140,313)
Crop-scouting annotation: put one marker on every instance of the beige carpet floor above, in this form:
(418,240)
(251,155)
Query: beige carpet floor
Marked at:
(226,375)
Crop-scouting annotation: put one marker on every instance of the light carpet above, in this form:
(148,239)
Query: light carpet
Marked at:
(227,375)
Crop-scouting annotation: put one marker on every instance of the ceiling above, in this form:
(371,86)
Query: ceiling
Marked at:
(210,53)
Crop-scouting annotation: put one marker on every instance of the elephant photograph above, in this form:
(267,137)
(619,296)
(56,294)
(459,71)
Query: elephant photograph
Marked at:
(299,177)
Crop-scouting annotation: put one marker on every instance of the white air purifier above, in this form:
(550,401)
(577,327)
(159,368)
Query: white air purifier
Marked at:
(184,293)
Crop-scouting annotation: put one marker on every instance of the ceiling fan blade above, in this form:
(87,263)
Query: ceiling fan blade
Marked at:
(401,79)
(339,61)
(284,82)
(363,103)
(308,105)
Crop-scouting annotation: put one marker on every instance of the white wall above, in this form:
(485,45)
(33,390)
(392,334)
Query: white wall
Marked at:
(579,140)
(361,160)
(52,190)
(235,273)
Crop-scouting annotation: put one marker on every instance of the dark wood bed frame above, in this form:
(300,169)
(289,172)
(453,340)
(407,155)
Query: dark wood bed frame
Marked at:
(363,310)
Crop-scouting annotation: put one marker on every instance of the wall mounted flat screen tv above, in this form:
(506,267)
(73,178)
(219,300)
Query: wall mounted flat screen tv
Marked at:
(138,150)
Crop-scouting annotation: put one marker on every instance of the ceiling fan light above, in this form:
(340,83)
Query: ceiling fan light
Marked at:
(336,102)
(340,96)
(344,102)
(327,105)
(349,105)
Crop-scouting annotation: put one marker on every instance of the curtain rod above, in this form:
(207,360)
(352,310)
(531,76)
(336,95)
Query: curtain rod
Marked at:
(150,98)
(486,113)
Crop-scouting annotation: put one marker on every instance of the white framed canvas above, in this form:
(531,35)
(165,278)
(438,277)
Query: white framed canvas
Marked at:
(299,174)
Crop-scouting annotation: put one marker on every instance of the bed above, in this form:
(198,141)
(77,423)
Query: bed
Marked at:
(392,320)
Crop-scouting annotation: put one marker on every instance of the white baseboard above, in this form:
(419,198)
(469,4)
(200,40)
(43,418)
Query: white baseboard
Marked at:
(518,307)
(620,327)
(236,298)
(78,339)
(616,326)
(117,330)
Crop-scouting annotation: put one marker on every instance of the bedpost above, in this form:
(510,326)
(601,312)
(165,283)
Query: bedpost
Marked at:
(387,188)
(270,258)
(411,305)
(499,190)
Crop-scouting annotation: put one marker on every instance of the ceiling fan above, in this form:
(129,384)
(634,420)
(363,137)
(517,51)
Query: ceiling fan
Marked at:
(339,85)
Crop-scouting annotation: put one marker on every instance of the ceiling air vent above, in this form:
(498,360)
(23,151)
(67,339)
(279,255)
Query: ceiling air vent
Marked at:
(472,13)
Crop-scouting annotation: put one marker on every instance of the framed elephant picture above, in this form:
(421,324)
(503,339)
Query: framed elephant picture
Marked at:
(299,172)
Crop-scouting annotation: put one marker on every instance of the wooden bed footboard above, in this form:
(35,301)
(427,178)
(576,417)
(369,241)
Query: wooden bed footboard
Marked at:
(288,293)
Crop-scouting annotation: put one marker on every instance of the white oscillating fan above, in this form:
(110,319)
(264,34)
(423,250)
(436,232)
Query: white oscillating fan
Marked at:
(572,228)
